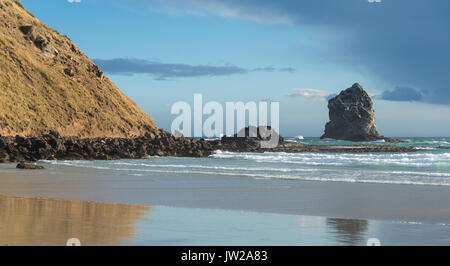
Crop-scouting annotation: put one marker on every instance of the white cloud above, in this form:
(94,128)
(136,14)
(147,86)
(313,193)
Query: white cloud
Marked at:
(74,1)
(310,94)
(230,9)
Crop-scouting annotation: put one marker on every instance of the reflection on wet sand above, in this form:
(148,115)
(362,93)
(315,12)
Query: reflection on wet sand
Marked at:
(36,221)
(348,231)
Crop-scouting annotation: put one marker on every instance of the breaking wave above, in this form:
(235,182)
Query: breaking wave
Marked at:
(421,168)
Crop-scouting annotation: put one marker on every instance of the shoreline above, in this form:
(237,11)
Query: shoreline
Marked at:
(161,143)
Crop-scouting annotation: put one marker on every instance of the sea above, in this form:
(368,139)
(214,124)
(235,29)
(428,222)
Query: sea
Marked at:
(430,166)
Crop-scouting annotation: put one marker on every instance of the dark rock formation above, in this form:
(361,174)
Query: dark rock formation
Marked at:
(248,142)
(161,143)
(30,33)
(55,147)
(249,139)
(69,72)
(28,166)
(97,71)
(352,117)
(46,47)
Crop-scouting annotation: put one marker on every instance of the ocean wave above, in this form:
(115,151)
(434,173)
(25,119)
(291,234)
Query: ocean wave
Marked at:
(332,159)
(183,166)
(280,161)
(428,142)
(420,168)
(376,177)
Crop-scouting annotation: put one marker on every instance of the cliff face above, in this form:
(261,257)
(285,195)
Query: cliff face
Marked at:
(47,83)
(352,116)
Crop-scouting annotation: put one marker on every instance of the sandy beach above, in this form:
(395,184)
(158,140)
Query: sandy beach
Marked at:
(213,210)
(417,203)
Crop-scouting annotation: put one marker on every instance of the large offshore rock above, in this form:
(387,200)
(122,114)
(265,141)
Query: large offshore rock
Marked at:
(352,116)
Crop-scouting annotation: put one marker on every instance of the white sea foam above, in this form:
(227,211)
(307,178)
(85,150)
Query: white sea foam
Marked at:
(420,168)
(401,159)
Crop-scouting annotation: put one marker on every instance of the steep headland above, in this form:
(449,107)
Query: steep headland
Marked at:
(48,83)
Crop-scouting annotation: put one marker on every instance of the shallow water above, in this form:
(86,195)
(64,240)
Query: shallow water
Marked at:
(39,221)
(220,227)
(409,141)
(429,167)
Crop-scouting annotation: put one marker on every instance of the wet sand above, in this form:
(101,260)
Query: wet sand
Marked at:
(40,221)
(47,207)
(416,203)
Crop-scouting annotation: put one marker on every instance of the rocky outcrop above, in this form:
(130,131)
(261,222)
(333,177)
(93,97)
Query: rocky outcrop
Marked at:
(249,139)
(248,142)
(55,147)
(352,116)
(30,33)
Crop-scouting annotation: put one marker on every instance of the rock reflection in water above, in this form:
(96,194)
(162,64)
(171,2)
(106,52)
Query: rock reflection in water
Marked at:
(348,231)
(31,221)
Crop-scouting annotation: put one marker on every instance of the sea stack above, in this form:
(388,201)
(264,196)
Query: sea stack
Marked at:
(352,116)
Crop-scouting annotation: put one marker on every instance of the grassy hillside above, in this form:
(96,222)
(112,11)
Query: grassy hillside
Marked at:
(47,83)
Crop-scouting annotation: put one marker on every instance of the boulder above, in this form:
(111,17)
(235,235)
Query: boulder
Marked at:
(4,156)
(29,32)
(28,166)
(46,47)
(97,71)
(69,72)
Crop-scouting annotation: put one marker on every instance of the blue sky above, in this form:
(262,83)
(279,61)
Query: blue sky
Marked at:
(297,52)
